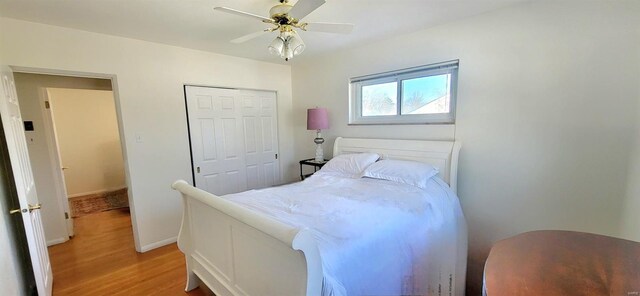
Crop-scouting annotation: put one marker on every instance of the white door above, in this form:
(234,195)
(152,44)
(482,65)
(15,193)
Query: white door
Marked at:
(19,155)
(231,132)
(56,160)
(259,118)
(215,127)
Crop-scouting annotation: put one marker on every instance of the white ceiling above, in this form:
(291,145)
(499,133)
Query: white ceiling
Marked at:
(193,24)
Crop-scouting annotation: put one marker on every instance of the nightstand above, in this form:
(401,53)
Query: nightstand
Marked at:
(311,162)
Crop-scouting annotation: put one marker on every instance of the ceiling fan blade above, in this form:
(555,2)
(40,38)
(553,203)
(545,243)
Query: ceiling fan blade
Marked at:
(248,37)
(242,13)
(329,28)
(305,7)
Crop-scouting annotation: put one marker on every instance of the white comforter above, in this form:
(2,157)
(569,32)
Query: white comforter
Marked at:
(375,237)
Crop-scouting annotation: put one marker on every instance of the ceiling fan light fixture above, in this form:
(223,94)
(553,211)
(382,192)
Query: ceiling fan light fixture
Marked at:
(285,19)
(296,44)
(277,46)
(287,45)
(287,52)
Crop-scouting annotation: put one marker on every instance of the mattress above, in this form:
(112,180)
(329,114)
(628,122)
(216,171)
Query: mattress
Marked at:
(375,237)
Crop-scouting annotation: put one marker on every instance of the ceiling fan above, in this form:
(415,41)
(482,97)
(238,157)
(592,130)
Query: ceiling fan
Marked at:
(285,19)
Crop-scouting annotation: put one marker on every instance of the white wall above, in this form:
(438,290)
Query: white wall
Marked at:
(87,130)
(631,215)
(31,88)
(547,103)
(150,99)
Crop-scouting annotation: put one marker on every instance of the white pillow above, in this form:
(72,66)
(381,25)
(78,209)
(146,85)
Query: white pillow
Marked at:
(350,165)
(402,171)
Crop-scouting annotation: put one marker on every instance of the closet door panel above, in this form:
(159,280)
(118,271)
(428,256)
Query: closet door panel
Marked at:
(260,117)
(234,139)
(215,132)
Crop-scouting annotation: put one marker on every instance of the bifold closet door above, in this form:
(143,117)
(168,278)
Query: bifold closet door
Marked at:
(259,121)
(233,135)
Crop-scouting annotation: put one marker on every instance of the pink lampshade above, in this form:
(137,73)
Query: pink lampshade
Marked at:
(317,119)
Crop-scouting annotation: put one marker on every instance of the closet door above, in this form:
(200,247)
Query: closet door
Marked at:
(216,139)
(231,132)
(259,118)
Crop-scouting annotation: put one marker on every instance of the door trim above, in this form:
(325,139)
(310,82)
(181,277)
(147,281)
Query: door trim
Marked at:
(186,110)
(123,139)
(230,87)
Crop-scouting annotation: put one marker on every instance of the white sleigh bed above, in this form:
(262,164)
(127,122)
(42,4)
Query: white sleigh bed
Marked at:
(234,250)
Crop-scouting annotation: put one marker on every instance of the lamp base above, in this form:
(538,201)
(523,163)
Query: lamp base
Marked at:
(319,153)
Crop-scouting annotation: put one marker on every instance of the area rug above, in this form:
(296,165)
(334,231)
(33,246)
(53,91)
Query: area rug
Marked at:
(99,202)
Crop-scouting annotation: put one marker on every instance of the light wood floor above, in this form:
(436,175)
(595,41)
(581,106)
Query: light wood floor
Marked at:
(101,260)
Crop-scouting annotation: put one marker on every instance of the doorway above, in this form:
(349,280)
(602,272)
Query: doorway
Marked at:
(71,127)
(85,130)
(74,142)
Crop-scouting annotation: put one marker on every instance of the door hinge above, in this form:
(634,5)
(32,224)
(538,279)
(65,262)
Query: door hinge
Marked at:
(46,105)
(66,215)
(276,155)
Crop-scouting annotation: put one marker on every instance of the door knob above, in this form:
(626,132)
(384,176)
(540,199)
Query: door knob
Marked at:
(65,168)
(34,207)
(15,211)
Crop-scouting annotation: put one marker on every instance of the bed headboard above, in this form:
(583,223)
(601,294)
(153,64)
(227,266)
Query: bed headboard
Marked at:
(441,154)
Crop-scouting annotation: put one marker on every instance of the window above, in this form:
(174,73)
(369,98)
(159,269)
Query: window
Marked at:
(417,95)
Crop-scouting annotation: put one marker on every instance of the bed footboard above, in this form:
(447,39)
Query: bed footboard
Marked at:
(235,251)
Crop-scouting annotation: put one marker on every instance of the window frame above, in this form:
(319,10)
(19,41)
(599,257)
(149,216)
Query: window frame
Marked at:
(398,76)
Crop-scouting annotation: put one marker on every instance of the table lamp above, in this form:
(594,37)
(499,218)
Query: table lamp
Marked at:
(317,119)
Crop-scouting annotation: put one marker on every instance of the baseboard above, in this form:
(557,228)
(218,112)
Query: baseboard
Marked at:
(158,244)
(96,191)
(57,241)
